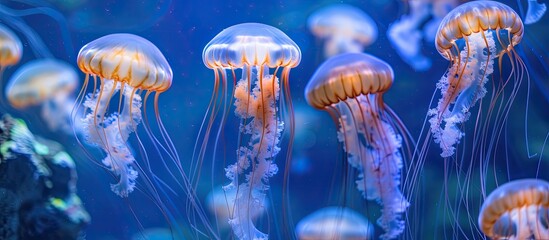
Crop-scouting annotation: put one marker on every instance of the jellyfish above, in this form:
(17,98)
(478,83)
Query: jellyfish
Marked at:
(48,83)
(13,18)
(10,48)
(350,87)
(343,28)
(124,71)
(517,210)
(334,223)
(408,33)
(259,98)
(535,12)
(471,37)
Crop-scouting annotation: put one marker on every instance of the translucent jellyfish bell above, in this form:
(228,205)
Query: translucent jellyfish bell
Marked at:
(48,83)
(256,49)
(128,60)
(350,87)
(471,36)
(517,210)
(251,44)
(344,29)
(10,48)
(334,223)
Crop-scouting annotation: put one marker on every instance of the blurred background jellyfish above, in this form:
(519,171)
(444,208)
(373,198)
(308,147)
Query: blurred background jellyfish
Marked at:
(47,83)
(419,25)
(343,28)
(11,49)
(13,18)
(260,97)
(334,223)
(471,37)
(517,210)
(350,87)
(534,12)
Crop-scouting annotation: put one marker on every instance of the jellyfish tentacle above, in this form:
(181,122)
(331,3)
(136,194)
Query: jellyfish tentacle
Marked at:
(37,44)
(50,12)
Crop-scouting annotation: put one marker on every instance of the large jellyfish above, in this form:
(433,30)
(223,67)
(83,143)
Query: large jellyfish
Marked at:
(420,24)
(517,210)
(124,72)
(343,28)
(471,37)
(334,223)
(130,65)
(10,48)
(256,49)
(350,87)
(48,83)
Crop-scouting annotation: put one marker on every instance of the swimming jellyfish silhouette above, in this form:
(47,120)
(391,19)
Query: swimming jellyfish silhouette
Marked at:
(517,210)
(350,87)
(258,97)
(343,28)
(10,48)
(471,37)
(48,83)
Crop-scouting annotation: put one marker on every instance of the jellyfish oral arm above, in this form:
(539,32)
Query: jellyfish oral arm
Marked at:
(111,133)
(378,159)
(461,87)
(260,121)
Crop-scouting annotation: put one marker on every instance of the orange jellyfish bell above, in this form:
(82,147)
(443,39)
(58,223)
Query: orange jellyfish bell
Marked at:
(477,17)
(517,210)
(10,48)
(128,59)
(348,76)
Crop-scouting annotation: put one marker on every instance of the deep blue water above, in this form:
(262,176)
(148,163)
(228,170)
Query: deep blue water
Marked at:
(181,29)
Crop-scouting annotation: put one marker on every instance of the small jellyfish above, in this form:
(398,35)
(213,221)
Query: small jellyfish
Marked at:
(420,24)
(517,210)
(343,28)
(48,83)
(350,87)
(471,37)
(334,223)
(535,12)
(258,98)
(10,48)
